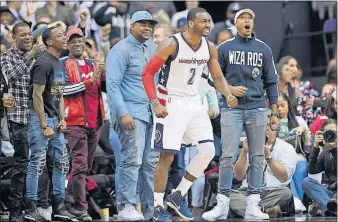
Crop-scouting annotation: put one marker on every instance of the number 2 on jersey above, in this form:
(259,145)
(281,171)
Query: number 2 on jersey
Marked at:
(192,77)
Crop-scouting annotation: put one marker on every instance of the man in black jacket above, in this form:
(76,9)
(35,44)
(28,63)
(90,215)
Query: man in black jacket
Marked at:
(327,162)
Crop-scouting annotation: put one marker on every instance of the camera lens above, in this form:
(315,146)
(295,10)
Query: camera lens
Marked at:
(330,136)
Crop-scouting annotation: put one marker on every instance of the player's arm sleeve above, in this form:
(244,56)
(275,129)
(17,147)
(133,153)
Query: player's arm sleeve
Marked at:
(148,73)
(116,66)
(270,78)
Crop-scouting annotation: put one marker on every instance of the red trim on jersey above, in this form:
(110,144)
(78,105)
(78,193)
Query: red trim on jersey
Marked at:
(148,73)
(163,102)
(165,92)
(195,50)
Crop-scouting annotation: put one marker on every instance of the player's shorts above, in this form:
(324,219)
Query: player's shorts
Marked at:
(187,123)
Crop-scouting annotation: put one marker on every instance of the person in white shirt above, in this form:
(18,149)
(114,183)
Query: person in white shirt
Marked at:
(277,198)
(183,14)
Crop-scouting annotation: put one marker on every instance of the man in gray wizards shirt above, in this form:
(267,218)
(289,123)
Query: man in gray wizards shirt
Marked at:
(249,68)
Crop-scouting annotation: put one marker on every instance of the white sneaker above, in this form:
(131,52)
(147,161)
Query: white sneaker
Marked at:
(220,211)
(253,210)
(45,213)
(129,213)
(299,206)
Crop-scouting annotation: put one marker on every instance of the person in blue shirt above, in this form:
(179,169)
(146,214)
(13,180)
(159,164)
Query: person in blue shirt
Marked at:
(248,66)
(134,121)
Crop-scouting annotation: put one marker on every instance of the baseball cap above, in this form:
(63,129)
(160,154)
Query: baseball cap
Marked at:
(5,9)
(182,22)
(74,31)
(246,10)
(142,16)
(234,7)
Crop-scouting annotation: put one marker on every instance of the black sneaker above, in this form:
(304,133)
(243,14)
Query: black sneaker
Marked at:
(15,216)
(81,215)
(332,206)
(59,211)
(31,213)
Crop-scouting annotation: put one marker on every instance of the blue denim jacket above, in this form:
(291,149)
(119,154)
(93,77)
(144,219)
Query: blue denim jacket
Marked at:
(125,90)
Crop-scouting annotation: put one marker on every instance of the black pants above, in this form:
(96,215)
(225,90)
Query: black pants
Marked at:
(20,144)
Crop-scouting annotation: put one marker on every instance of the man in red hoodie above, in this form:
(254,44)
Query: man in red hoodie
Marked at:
(84,113)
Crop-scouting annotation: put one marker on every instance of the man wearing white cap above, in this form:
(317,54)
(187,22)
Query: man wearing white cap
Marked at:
(134,124)
(249,68)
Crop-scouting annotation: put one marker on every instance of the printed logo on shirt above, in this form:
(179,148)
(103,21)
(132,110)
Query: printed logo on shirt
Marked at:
(255,72)
(246,58)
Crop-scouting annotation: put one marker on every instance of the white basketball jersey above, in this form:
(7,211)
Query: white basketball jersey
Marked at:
(181,75)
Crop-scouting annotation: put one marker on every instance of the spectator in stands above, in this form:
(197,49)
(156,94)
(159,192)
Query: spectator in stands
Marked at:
(84,114)
(228,24)
(331,113)
(6,16)
(323,158)
(182,25)
(15,65)
(293,66)
(223,36)
(14,7)
(280,158)
(56,12)
(46,125)
(183,14)
(134,127)
(114,13)
(162,32)
(284,84)
(154,7)
(292,128)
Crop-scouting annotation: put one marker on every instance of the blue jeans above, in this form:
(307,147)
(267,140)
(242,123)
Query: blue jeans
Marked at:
(218,145)
(297,178)
(138,162)
(232,122)
(38,145)
(115,143)
(316,192)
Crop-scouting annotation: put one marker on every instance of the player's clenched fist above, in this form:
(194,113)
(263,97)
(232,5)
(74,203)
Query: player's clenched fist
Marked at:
(160,111)
(232,101)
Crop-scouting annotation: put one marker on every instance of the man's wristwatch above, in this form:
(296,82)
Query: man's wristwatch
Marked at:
(275,114)
(268,158)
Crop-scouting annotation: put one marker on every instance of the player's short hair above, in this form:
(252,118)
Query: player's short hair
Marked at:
(169,28)
(192,13)
(19,25)
(47,34)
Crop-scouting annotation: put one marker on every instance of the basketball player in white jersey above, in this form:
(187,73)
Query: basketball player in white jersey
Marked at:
(180,116)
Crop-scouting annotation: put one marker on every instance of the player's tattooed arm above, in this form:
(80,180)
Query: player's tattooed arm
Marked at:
(38,103)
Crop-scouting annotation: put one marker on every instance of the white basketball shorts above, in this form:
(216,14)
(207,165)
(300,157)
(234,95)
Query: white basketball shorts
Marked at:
(187,123)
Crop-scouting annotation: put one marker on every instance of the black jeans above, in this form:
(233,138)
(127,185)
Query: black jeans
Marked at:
(20,144)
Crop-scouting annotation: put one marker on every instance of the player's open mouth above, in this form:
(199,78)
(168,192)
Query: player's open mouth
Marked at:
(247,27)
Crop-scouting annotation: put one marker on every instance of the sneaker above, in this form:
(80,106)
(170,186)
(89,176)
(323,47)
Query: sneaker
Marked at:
(81,215)
(299,206)
(179,204)
(314,211)
(59,210)
(253,210)
(332,206)
(161,215)
(15,216)
(45,213)
(274,212)
(31,213)
(220,211)
(129,213)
